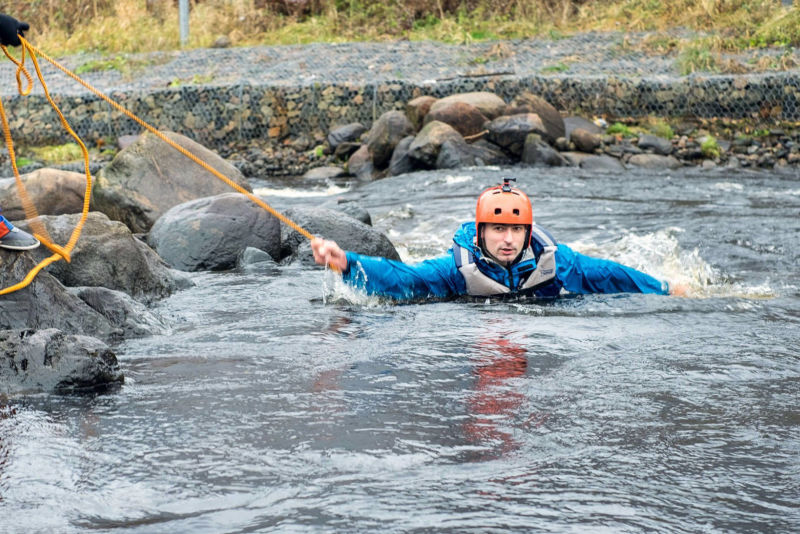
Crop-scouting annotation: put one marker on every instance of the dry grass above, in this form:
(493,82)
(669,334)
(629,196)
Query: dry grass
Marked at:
(67,26)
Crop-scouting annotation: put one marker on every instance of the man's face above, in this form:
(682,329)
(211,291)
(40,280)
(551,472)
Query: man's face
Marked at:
(504,241)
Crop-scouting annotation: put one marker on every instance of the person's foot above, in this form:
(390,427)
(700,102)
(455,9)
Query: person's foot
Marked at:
(17,239)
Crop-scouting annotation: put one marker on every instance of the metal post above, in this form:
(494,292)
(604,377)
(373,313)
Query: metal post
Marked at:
(183,15)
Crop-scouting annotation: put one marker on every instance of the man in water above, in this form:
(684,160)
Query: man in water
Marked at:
(501,253)
(13,238)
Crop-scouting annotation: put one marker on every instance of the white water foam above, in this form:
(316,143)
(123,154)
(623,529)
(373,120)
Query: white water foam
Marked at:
(289,192)
(659,254)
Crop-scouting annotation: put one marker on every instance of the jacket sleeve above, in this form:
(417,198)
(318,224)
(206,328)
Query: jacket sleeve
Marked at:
(579,273)
(436,277)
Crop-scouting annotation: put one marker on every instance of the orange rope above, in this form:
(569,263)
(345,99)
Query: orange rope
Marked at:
(174,145)
(30,210)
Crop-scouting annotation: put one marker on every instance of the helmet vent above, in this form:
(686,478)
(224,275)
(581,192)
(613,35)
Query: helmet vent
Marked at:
(516,212)
(498,211)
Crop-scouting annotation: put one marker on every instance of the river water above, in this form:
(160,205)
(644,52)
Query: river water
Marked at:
(280,401)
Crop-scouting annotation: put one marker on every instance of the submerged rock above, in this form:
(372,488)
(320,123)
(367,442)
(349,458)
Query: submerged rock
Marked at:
(401,162)
(45,303)
(537,152)
(122,311)
(50,360)
(208,234)
(149,177)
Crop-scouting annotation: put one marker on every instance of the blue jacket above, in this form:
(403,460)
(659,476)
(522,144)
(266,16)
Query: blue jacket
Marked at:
(440,277)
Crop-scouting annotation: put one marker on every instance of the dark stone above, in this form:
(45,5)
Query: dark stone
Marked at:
(208,234)
(149,177)
(657,144)
(424,150)
(45,303)
(537,152)
(553,122)
(52,191)
(348,232)
(349,133)
(453,154)
(510,131)
(585,141)
(131,317)
(384,135)
(465,118)
(52,361)
(108,255)
(345,150)
(401,162)
(488,153)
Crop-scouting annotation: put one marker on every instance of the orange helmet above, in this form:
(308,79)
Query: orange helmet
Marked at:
(504,204)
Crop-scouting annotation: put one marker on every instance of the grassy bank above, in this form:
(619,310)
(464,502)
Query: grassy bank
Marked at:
(110,26)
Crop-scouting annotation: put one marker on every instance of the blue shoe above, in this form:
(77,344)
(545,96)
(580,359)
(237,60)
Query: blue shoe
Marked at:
(17,239)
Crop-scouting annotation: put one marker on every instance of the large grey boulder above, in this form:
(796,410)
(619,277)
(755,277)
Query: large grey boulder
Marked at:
(52,361)
(45,303)
(530,103)
(208,234)
(108,255)
(384,135)
(456,153)
(348,232)
(424,150)
(510,131)
(491,105)
(465,118)
(52,192)
(149,177)
(131,317)
(537,152)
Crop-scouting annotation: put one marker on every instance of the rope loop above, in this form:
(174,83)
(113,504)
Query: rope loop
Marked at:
(30,210)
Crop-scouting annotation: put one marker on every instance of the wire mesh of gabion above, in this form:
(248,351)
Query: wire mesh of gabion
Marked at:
(219,96)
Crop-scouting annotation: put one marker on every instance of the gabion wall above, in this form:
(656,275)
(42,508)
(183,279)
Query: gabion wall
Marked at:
(223,96)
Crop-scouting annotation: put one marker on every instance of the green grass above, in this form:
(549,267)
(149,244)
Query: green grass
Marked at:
(710,147)
(621,130)
(113,26)
(57,154)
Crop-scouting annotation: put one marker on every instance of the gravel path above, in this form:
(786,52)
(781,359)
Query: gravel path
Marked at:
(592,54)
